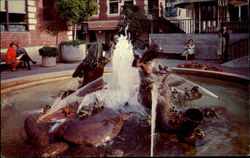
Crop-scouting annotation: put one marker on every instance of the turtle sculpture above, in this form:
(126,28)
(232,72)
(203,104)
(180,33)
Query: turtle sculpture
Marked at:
(98,128)
(86,126)
(101,125)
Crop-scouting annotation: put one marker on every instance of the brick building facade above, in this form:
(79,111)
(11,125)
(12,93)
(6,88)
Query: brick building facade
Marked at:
(105,24)
(40,24)
(39,18)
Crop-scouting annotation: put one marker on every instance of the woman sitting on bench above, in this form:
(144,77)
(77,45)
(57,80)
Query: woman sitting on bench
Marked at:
(189,50)
(11,57)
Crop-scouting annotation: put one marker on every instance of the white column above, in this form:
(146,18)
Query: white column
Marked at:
(199,18)
(218,18)
(70,30)
(146,7)
(240,13)
(32,21)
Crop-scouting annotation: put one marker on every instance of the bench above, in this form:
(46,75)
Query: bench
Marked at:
(2,58)
(3,64)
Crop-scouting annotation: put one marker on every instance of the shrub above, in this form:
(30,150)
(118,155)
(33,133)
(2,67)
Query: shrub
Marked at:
(48,51)
(73,43)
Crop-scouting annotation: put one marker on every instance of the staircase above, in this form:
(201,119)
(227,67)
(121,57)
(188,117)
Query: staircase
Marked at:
(186,25)
(170,26)
(238,49)
(174,21)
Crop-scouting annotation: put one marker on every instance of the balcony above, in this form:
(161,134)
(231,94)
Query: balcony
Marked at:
(190,26)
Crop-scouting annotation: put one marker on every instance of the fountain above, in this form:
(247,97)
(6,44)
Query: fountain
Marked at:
(123,120)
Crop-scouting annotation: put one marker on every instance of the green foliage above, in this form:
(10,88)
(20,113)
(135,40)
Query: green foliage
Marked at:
(76,10)
(73,43)
(138,22)
(48,51)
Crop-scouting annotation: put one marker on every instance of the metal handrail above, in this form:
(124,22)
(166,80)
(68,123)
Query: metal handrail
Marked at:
(238,49)
(191,25)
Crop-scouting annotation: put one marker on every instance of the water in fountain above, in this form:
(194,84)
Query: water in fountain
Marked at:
(123,73)
(121,86)
(153,118)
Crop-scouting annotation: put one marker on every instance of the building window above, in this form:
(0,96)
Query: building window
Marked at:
(113,6)
(128,3)
(48,10)
(208,12)
(189,13)
(13,16)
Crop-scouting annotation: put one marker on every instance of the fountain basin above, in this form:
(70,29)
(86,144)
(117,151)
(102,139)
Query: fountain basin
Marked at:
(213,74)
(31,95)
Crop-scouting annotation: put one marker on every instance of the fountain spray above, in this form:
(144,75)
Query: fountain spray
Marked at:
(121,86)
(153,118)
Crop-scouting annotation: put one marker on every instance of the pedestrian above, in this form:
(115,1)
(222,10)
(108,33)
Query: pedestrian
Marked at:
(225,41)
(189,50)
(161,9)
(11,57)
(24,56)
(220,46)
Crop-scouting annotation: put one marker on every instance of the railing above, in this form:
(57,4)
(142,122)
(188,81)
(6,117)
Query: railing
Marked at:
(238,49)
(237,26)
(191,26)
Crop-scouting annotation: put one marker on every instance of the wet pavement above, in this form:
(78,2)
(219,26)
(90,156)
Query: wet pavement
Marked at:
(38,69)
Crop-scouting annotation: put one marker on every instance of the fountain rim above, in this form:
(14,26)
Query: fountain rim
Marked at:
(31,80)
(231,77)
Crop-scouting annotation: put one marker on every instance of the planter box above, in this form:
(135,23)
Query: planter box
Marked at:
(48,61)
(73,53)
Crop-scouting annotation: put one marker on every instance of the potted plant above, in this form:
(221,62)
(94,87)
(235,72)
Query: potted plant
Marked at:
(75,11)
(72,51)
(48,55)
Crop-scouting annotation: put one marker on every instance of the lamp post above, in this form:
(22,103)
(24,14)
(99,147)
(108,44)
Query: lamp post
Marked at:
(150,17)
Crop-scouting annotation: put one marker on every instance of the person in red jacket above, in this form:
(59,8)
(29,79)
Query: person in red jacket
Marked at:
(11,57)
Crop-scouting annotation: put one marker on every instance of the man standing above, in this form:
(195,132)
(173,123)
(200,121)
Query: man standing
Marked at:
(225,41)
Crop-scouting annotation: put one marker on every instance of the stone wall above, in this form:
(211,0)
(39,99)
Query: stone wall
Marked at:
(206,44)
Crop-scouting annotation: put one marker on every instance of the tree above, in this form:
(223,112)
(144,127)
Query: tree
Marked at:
(137,21)
(76,11)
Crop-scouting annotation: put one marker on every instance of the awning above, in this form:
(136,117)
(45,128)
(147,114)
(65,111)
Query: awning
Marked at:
(188,3)
(238,2)
(103,25)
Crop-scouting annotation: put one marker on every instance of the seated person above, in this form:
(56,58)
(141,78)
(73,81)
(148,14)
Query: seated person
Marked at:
(189,50)
(21,52)
(11,57)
